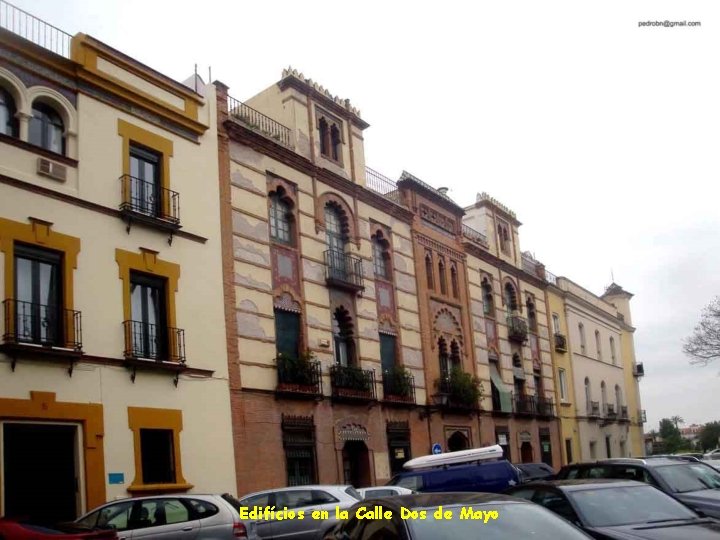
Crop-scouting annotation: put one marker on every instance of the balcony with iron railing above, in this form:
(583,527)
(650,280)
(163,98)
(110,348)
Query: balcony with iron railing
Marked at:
(37,326)
(545,407)
(560,343)
(524,404)
(152,342)
(39,32)
(382,185)
(258,122)
(473,236)
(624,414)
(344,271)
(398,386)
(149,202)
(352,383)
(639,370)
(642,418)
(298,377)
(457,391)
(593,409)
(517,328)
(610,413)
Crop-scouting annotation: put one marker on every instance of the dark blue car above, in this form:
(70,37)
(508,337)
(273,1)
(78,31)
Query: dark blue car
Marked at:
(488,476)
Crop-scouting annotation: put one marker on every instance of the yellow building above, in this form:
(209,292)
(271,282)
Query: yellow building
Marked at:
(111,383)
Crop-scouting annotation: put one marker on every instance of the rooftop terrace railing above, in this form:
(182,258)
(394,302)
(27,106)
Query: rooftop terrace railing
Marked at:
(29,27)
(257,121)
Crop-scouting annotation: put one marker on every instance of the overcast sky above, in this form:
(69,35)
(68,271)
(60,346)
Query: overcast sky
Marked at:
(601,135)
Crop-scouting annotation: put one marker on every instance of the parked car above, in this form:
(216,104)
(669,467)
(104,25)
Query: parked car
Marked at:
(616,509)
(299,498)
(486,476)
(712,454)
(516,519)
(17,530)
(200,517)
(383,491)
(530,472)
(694,484)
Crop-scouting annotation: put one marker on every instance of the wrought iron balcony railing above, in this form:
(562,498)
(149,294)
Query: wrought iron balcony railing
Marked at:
(33,29)
(398,385)
(344,270)
(560,343)
(257,121)
(517,328)
(639,370)
(350,382)
(523,404)
(30,323)
(624,414)
(474,236)
(642,418)
(298,376)
(145,341)
(382,185)
(149,200)
(593,409)
(610,412)
(545,407)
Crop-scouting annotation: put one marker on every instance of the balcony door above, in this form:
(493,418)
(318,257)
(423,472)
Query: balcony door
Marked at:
(149,326)
(38,295)
(145,181)
(337,243)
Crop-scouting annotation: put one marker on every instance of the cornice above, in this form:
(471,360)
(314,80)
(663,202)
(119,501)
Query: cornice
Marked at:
(506,267)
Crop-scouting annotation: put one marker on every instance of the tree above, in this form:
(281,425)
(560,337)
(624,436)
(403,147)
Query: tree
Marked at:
(677,420)
(703,346)
(672,440)
(709,436)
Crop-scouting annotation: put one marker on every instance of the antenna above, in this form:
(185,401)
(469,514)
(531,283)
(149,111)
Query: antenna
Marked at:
(195,78)
(209,74)
(612,276)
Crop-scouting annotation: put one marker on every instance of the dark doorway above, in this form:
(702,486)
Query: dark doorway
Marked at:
(457,441)
(526,452)
(39,472)
(608,446)
(545,447)
(356,464)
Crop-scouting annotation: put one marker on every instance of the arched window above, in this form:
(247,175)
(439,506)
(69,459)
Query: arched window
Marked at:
(618,398)
(532,316)
(488,302)
(8,122)
(443,357)
(280,218)
(511,303)
(441,276)
(581,330)
(429,271)
(334,229)
(381,256)
(324,137)
(47,129)
(588,393)
(335,142)
(603,395)
(454,355)
(454,285)
(612,350)
(330,138)
(343,337)
(598,345)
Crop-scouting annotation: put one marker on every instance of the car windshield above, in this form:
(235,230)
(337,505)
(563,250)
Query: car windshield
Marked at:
(608,507)
(353,493)
(513,521)
(689,477)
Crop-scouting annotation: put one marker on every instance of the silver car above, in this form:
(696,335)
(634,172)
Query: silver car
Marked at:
(299,498)
(383,491)
(169,517)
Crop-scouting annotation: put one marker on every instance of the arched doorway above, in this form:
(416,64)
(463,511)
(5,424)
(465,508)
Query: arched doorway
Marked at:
(356,464)
(457,441)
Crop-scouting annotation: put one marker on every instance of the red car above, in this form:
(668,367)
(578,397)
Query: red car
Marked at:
(16,530)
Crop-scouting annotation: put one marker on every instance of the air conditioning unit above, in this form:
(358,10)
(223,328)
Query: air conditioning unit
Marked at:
(51,169)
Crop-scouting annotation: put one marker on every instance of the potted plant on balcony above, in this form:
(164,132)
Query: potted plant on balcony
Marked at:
(353,382)
(464,389)
(296,373)
(398,384)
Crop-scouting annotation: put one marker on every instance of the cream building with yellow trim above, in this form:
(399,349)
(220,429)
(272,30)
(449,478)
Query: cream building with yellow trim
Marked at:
(113,354)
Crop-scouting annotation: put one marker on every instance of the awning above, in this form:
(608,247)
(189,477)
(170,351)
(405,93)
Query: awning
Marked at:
(505,397)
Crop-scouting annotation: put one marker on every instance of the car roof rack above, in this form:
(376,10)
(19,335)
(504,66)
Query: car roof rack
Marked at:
(461,457)
(624,460)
